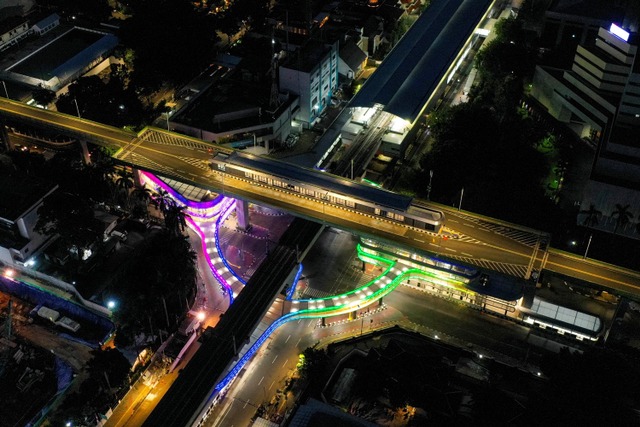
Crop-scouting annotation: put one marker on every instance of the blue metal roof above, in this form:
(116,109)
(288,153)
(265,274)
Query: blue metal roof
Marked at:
(323,180)
(46,21)
(411,72)
(84,58)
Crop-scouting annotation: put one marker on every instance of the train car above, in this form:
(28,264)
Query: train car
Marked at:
(332,189)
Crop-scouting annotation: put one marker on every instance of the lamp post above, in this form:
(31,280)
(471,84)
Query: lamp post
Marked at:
(77,108)
(429,186)
(588,244)
(460,204)
(5,89)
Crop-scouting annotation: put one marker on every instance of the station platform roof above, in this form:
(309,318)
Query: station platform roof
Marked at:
(320,179)
(414,68)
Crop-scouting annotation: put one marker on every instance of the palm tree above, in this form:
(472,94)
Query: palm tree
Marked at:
(593,216)
(162,200)
(175,219)
(125,183)
(622,216)
(142,195)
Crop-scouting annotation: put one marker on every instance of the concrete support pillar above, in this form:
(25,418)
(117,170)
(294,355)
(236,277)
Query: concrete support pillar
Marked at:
(4,135)
(137,178)
(353,315)
(85,152)
(242,214)
(324,321)
(380,302)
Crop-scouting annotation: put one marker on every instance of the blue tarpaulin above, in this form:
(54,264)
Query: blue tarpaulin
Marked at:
(35,295)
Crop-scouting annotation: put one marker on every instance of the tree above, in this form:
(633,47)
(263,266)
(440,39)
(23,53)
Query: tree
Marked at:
(70,216)
(110,363)
(175,219)
(578,379)
(43,96)
(125,183)
(142,195)
(171,42)
(622,216)
(113,102)
(593,216)
(162,200)
(163,269)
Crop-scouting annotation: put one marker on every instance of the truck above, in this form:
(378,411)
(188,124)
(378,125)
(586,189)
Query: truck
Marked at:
(53,316)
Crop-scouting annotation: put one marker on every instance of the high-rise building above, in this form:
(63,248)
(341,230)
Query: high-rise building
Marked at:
(599,98)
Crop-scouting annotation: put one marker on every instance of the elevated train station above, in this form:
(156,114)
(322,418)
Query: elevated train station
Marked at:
(412,79)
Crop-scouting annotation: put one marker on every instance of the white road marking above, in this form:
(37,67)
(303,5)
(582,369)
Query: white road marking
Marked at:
(285,363)
(274,359)
(311,322)
(433,244)
(452,220)
(271,385)
(468,225)
(287,339)
(448,249)
(300,339)
(245,404)
(469,255)
(418,240)
(261,381)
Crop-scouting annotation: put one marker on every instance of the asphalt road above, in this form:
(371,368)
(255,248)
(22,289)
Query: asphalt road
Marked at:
(184,160)
(276,360)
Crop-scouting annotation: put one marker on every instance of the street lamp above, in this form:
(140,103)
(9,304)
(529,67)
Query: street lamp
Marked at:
(429,186)
(201,316)
(111,304)
(588,244)
(5,89)
(77,108)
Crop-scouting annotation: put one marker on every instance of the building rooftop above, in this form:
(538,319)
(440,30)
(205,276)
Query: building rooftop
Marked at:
(21,193)
(411,72)
(308,56)
(48,20)
(595,9)
(352,55)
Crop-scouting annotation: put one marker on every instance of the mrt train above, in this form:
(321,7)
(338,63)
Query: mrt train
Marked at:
(340,192)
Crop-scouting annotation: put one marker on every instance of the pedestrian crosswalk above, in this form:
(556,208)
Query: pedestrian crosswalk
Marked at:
(517,270)
(199,163)
(146,163)
(172,139)
(527,238)
(312,293)
(466,239)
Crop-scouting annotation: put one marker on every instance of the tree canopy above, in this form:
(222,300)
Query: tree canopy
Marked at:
(163,269)
(496,164)
(171,42)
(114,102)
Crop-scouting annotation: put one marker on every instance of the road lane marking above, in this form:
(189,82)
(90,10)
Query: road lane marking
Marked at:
(468,225)
(299,320)
(433,244)
(261,381)
(311,322)
(469,255)
(246,403)
(285,363)
(300,339)
(449,249)
(452,220)
(274,359)
(288,339)
(418,240)
(271,385)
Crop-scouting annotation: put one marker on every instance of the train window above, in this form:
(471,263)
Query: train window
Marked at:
(351,204)
(248,175)
(376,211)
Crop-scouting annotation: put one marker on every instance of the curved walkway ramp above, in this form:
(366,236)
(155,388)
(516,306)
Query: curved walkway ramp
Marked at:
(208,375)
